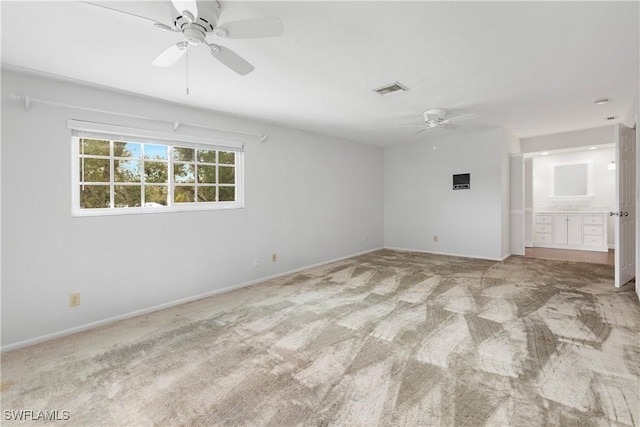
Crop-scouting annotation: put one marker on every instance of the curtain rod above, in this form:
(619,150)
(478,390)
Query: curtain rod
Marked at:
(27,100)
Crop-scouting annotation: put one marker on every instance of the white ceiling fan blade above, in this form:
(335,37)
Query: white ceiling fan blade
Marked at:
(407,126)
(423,128)
(170,55)
(151,11)
(231,59)
(163,27)
(190,6)
(461,117)
(252,28)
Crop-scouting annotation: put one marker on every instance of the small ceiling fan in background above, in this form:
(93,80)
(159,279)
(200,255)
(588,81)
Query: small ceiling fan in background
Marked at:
(437,118)
(197,20)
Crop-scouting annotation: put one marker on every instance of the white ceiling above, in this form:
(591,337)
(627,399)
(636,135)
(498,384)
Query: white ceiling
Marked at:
(534,68)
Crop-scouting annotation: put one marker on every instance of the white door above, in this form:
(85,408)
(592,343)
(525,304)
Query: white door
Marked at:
(626,205)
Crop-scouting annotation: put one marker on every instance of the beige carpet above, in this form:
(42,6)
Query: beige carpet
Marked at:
(387,338)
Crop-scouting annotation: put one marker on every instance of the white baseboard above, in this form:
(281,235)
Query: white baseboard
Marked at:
(91,325)
(447,254)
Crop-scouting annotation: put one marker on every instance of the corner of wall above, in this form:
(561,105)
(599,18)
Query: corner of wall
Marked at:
(631,119)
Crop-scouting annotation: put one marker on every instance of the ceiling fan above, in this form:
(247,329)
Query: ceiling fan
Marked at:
(198,19)
(437,118)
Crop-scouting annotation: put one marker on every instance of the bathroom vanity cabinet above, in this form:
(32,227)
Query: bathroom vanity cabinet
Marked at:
(571,230)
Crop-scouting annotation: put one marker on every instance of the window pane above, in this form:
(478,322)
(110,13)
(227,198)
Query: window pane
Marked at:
(184,194)
(126,149)
(227,194)
(155,195)
(227,175)
(94,147)
(184,172)
(183,154)
(207,194)
(126,171)
(95,170)
(94,196)
(207,174)
(156,172)
(227,157)
(207,156)
(156,152)
(127,196)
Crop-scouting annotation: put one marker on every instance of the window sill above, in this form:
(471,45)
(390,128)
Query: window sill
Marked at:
(76,213)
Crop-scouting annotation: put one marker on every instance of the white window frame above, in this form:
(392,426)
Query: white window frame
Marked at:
(82,129)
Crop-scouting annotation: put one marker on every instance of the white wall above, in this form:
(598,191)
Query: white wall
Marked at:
(559,141)
(420,203)
(309,198)
(604,184)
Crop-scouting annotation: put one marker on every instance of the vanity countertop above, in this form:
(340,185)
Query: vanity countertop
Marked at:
(598,212)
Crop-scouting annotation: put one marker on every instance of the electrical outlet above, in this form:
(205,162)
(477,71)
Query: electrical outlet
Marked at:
(74,300)
(435,238)
(274,258)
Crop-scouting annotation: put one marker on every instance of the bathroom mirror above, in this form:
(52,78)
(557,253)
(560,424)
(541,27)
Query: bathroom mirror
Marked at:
(571,180)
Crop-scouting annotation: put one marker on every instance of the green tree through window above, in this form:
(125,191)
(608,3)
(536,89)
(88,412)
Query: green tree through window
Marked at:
(117,174)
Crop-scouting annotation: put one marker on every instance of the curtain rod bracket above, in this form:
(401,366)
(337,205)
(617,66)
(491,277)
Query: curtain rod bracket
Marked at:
(263,138)
(176,125)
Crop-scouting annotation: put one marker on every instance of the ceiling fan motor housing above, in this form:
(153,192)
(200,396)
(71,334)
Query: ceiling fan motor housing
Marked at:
(205,22)
(194,36)
(434,117)
(434,114)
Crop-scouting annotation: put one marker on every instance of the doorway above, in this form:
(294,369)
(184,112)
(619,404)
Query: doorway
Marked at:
(568,195)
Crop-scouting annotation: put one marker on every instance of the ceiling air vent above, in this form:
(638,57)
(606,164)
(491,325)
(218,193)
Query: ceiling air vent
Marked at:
(389,89)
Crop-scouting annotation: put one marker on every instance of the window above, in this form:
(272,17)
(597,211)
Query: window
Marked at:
(115,175)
